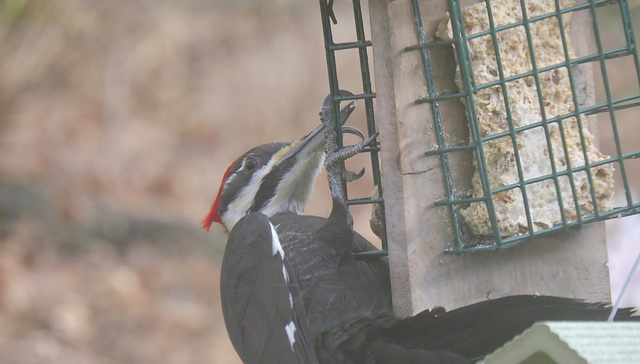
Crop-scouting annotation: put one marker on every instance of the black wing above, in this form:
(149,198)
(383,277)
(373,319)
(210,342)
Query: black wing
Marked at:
(260,300)
(335,286)
(463,335)
(477,330)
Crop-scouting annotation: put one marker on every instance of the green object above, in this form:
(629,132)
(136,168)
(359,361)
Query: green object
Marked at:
(456,200)
(466,242)
(361,45)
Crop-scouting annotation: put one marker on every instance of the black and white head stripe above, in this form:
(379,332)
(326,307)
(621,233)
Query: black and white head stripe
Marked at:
(270,183)
(240,188)
(272,178)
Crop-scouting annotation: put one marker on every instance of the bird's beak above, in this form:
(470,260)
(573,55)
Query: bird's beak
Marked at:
(314,141)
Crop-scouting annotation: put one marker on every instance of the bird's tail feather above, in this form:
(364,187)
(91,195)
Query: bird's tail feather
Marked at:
(458,336)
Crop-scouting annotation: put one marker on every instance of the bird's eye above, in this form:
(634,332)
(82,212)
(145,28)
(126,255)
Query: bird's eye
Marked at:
(250,164)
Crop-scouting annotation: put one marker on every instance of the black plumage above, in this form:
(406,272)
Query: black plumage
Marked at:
(293,292)
(341,306)
(463,335)
(260,299)
(334,285)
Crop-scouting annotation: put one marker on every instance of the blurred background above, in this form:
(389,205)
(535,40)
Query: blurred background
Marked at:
(117,121)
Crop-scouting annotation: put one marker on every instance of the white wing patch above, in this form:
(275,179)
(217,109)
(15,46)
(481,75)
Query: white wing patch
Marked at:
(276,247)
(291,329)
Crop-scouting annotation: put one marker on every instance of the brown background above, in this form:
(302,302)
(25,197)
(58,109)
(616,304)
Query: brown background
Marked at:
(117,121)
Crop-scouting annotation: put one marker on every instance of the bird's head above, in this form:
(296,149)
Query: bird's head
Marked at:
(270,178)
(273,178)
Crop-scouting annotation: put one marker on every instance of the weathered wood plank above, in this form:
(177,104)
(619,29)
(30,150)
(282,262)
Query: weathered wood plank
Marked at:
(570,264)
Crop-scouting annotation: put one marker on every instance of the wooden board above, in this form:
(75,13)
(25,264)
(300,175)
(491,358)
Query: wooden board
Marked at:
(571,264)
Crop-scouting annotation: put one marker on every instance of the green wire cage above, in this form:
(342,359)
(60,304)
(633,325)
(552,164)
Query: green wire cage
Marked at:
(361,44)
(562,174)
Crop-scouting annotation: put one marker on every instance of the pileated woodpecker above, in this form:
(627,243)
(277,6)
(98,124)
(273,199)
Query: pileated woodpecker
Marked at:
(268,187)
(292,291)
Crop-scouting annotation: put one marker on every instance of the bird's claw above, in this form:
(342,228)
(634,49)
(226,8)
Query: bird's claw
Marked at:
(346,111)
(351,150)
(350,176)
(335,155)
(347,175)
(353,131)
(341,93)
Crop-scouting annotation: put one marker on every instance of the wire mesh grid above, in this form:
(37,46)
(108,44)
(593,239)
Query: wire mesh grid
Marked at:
(361,44)
(560,179)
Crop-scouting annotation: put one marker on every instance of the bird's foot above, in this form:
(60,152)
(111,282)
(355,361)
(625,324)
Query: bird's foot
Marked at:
(339,156)
(347,175)
(335,157)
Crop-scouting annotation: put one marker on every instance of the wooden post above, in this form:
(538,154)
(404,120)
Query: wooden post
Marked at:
(571,264)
